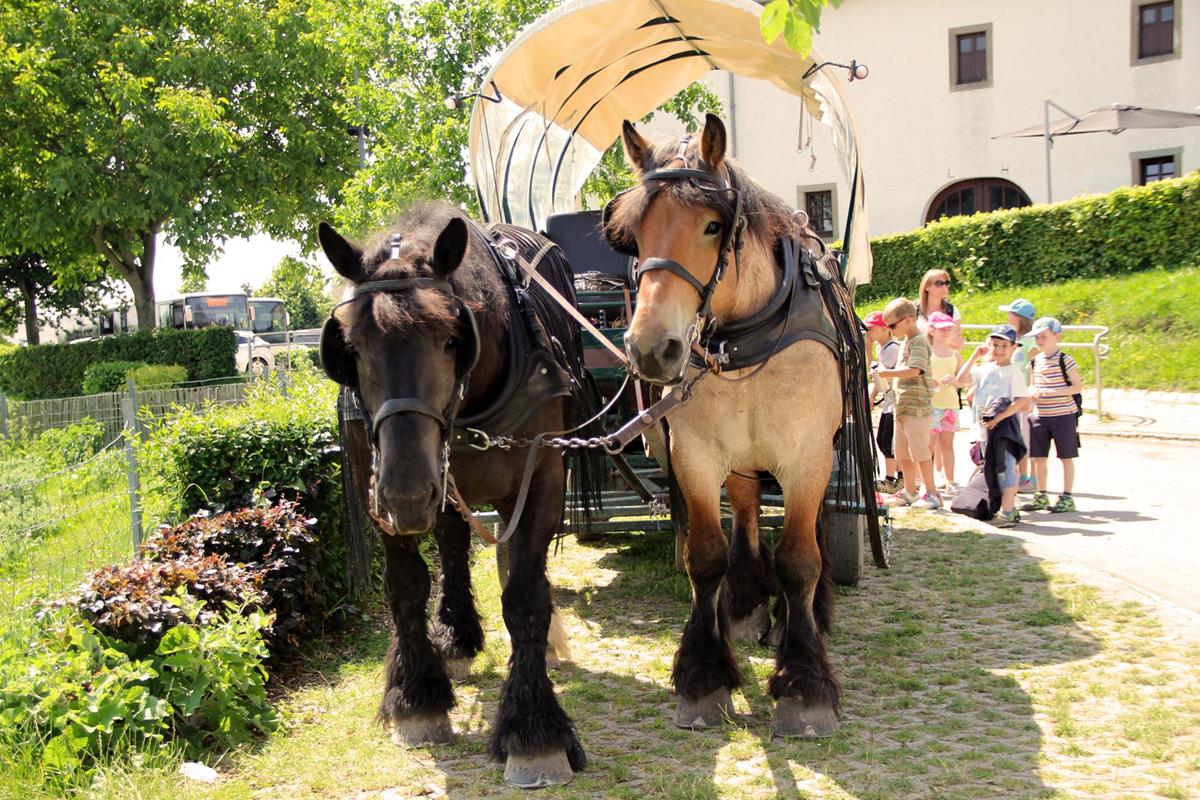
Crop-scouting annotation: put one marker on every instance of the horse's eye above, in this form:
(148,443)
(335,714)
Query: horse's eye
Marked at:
(451,344)
(712,229)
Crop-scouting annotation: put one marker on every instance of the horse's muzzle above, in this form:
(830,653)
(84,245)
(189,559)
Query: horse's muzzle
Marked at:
(409,511)
(661,360)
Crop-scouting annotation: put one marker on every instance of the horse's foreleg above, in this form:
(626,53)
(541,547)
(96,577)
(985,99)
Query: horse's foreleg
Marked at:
(417,695)
(533,735)
(750,581)
(705,670)
(456,631)
(804,685)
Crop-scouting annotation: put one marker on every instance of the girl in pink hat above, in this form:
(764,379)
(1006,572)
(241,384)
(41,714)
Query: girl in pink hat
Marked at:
(944,364)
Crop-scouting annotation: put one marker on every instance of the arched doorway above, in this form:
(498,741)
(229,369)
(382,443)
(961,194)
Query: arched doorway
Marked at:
(974,196)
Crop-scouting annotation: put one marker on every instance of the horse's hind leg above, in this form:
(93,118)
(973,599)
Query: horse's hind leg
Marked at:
(417,695)
(533,735)
(705,671)
(456,631)
(750,581)
(804,686)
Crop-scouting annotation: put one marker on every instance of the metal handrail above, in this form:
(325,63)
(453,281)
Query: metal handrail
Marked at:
(1099,349)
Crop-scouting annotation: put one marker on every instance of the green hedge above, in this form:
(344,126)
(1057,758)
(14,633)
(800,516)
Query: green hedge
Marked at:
(1127,230)
(108,376)
(57,370)
(158,376)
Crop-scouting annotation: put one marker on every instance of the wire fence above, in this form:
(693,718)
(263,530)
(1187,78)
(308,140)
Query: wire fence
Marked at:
(59,522)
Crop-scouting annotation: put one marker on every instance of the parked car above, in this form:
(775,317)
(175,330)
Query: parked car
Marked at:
(253,355)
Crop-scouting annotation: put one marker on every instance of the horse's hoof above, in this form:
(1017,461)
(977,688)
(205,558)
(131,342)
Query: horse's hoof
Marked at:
(752,627)
(794,718)
(459,669)
(707,712)
(536,772)
(422,729)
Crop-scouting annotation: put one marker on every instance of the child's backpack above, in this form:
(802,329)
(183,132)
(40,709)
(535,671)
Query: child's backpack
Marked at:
(1078,398)
(972,499)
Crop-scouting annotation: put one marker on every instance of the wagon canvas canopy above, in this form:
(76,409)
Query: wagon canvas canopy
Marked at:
(554,100)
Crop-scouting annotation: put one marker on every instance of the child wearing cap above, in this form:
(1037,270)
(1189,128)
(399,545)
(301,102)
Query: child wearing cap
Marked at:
(944,363)
(991,380)
(1020,317)
(1056,380)
(888,357)
(914,405)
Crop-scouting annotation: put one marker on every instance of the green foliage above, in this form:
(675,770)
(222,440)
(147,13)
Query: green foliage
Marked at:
(298,358)
(108,376)
(28,279)
(1127,230)
(57,370)
(58,448)
(71,696)
(225,457)
(158,376)
(797,20)
(301,287)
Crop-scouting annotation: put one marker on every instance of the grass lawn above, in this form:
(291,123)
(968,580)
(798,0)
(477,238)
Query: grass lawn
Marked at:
(970,670)
(1153,317)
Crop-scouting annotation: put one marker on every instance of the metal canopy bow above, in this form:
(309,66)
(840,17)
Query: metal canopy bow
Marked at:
(570,78)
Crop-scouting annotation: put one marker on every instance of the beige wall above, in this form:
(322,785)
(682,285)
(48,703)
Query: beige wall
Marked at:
(918,135)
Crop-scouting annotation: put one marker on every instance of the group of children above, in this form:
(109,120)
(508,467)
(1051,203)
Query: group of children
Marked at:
(1023,391)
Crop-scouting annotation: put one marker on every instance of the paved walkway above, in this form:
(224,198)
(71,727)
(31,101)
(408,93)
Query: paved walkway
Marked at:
(1136,413)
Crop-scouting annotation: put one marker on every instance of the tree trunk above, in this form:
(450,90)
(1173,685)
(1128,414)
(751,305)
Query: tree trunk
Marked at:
(137,272)
(32,334)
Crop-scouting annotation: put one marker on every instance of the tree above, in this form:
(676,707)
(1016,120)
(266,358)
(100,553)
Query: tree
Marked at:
(31,295)
(302,287)
(796,20)
(125,119)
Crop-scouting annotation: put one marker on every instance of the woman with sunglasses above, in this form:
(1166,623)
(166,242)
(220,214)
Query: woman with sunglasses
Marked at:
(934,295)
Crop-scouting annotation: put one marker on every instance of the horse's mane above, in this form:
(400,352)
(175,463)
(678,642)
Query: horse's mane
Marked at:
(768,218)
(476,281)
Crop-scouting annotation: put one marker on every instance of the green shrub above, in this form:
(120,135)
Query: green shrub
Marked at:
(59,448)
(299,358)
(57,370)
(225,457)
(108,376)
(1128,230)
(71,696)
(158,376)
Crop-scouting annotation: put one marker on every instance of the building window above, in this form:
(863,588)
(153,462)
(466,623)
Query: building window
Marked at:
(971,57)
(1156,168)
(1156,29)
(974,196)
(820,203)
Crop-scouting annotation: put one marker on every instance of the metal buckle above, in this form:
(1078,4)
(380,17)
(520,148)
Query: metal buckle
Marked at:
(507,248)
(487,440)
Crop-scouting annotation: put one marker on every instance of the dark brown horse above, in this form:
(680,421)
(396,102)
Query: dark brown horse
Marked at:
(424,345)
(714,251)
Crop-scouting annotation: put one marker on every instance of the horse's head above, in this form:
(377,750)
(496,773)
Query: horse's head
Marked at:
(405,343)
(682,223)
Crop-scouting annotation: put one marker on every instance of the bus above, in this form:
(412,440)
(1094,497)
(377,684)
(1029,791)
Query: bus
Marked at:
(205,309)
(269,319)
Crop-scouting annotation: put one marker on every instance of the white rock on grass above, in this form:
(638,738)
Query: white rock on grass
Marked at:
(195,771)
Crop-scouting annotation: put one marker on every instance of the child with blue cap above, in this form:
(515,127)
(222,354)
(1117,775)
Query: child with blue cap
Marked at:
(1020,317)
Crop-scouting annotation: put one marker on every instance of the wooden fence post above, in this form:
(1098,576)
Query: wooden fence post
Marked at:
(133,430)
(3,415)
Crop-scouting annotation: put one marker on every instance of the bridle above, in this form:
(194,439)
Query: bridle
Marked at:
(706,180)
(468,358)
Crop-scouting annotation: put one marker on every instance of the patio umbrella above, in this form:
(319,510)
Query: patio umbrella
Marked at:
(1111,119)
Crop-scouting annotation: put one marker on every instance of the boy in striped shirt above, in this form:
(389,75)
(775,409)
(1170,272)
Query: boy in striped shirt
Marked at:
(1055,381)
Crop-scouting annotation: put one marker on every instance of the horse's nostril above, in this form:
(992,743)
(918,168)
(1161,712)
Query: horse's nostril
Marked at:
(669,351)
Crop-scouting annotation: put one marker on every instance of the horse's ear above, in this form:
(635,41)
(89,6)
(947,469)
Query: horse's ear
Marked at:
(637,149)
(450,248)
(712,141)
(336,358)
(345,257)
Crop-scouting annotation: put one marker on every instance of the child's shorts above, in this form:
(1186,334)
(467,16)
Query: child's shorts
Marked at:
(1008,475)
(945,420)
(1061,429)
(912,439)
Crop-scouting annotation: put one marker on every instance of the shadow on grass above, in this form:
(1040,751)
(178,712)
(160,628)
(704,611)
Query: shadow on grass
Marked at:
(927,651)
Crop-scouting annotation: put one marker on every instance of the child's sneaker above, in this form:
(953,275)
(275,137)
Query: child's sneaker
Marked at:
(886,485)
(929,502)
(902,498)
(1040,502)
(1065,503)
(1028,484)
(1007,520)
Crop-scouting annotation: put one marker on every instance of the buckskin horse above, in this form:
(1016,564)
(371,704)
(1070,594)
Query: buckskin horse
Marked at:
(441,345)
(730,279)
